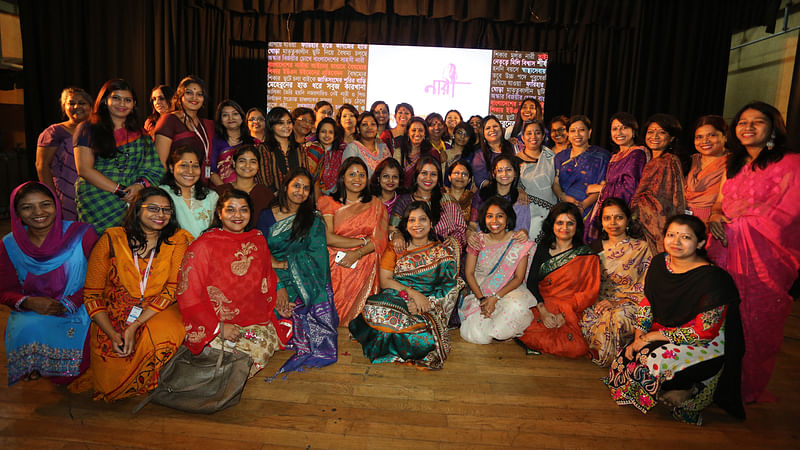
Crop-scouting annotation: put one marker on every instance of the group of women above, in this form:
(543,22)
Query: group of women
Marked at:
(268,232)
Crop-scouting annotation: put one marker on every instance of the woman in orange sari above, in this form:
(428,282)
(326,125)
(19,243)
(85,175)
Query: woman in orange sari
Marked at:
(708,165)
(565,277)
(356,226)
(130,296)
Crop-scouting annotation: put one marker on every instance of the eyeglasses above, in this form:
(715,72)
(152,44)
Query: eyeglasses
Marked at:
(155,209)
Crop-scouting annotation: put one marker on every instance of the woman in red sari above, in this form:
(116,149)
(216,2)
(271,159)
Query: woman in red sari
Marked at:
(755,223)
(227,277)
(356,226)
(565,278)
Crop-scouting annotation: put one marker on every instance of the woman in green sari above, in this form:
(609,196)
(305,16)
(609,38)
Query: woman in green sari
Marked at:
(296,239)
(407,321)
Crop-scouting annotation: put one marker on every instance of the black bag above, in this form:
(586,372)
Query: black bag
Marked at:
(204,383)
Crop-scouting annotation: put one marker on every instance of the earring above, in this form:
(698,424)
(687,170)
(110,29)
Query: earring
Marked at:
(771,142)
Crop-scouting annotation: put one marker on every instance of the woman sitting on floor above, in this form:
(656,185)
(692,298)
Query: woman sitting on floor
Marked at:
(227,277)
(296,238)
(42,269)
(608,326)
(499,306)
(565,278)
(689,343)
(407,321)
(194,201)
(130,295)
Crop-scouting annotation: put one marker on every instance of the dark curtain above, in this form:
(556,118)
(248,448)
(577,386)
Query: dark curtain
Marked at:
(605,56)
(793,115)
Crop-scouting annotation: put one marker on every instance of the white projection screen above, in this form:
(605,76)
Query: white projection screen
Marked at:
(431,79)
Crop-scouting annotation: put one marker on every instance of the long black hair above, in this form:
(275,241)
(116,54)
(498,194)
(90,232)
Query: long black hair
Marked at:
(505,205)
(200,188)
(364,115)
(375,181)
(403,225)
(425,148)
(100,125)
(226,195)
(167,93)
(304,218)
(469,147)
(338,133)
(180,91)
(518,122)
(627,120)
(274,117)
(436,195)
(133,224)
(339,193)
(634,229)
(222,132)
(697,226)
(505,147)
(669,124)
(739,155)
(490,188)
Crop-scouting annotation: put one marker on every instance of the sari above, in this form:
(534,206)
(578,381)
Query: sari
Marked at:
(351,287)
(62,167)
(536,179)
(228,277)
(136,158)
(494,268)
(451,220)
(388,332)
(372,160)
(222,159)
(697,313)
(112,286)
(331,162)
(622,179)
(762,256)
(567,284)
(50,345)
(702,185)
(197,216)
(308,283)
(465,202)
(622,271)
(660,195)
(576,174)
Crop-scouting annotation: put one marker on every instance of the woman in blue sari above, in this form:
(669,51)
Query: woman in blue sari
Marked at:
(42,269)
(583,165)
(296,239)
(407,321)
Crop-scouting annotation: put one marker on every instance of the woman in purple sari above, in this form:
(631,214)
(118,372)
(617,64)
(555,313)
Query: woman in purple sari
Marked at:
(583,165)
(624,170)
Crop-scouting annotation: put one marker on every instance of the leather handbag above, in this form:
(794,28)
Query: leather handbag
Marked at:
(204,383)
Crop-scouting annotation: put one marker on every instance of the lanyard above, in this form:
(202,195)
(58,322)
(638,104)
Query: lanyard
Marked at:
(203,137)
(143,280)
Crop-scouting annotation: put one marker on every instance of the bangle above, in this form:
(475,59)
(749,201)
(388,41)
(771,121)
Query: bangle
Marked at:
(404,295)
(364,242)
(119,191)
(482,298)
(18,303)
(143,181)
(391,234)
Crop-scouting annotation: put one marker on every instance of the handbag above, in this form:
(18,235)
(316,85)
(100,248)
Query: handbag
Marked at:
(204,383)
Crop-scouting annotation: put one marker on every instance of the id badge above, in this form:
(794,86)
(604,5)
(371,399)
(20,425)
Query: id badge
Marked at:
(208,172)
(135,312)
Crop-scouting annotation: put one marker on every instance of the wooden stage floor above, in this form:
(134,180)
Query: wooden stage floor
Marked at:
(486,396)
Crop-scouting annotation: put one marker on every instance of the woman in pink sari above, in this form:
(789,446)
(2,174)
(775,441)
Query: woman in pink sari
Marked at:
(499,306)
(356,227)
(755,222)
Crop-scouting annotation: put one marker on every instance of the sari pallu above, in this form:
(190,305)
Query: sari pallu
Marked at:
(495,266)
(702,185)
(308,283)
(623,268)
(136,158)
(112,286)
(622,179)
(763,257)
(386,329)
(351,287)
(576,174)
(567,283)
(222,159)
(660,195)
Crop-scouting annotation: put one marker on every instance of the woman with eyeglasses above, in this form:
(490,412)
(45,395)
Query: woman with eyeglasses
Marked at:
(160,98)
(194,201)
(559,140)
(183,126)
(256,123)
(114,157)
(303,120)
(55,156)
(129,293)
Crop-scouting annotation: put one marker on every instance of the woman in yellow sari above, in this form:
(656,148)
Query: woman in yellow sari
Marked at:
(130,296)
(356,227)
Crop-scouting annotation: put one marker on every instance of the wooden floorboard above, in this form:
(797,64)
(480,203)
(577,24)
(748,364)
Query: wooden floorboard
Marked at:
(486,397)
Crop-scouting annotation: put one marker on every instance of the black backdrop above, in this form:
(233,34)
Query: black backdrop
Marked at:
(641,56)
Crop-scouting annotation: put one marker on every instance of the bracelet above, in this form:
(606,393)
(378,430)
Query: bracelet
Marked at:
(364,240)
(404,295)
(391,234)
(18,303)
(482,298)
(119,191)
(143,181)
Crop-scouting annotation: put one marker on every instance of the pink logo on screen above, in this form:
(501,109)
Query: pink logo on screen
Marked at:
(447,84)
